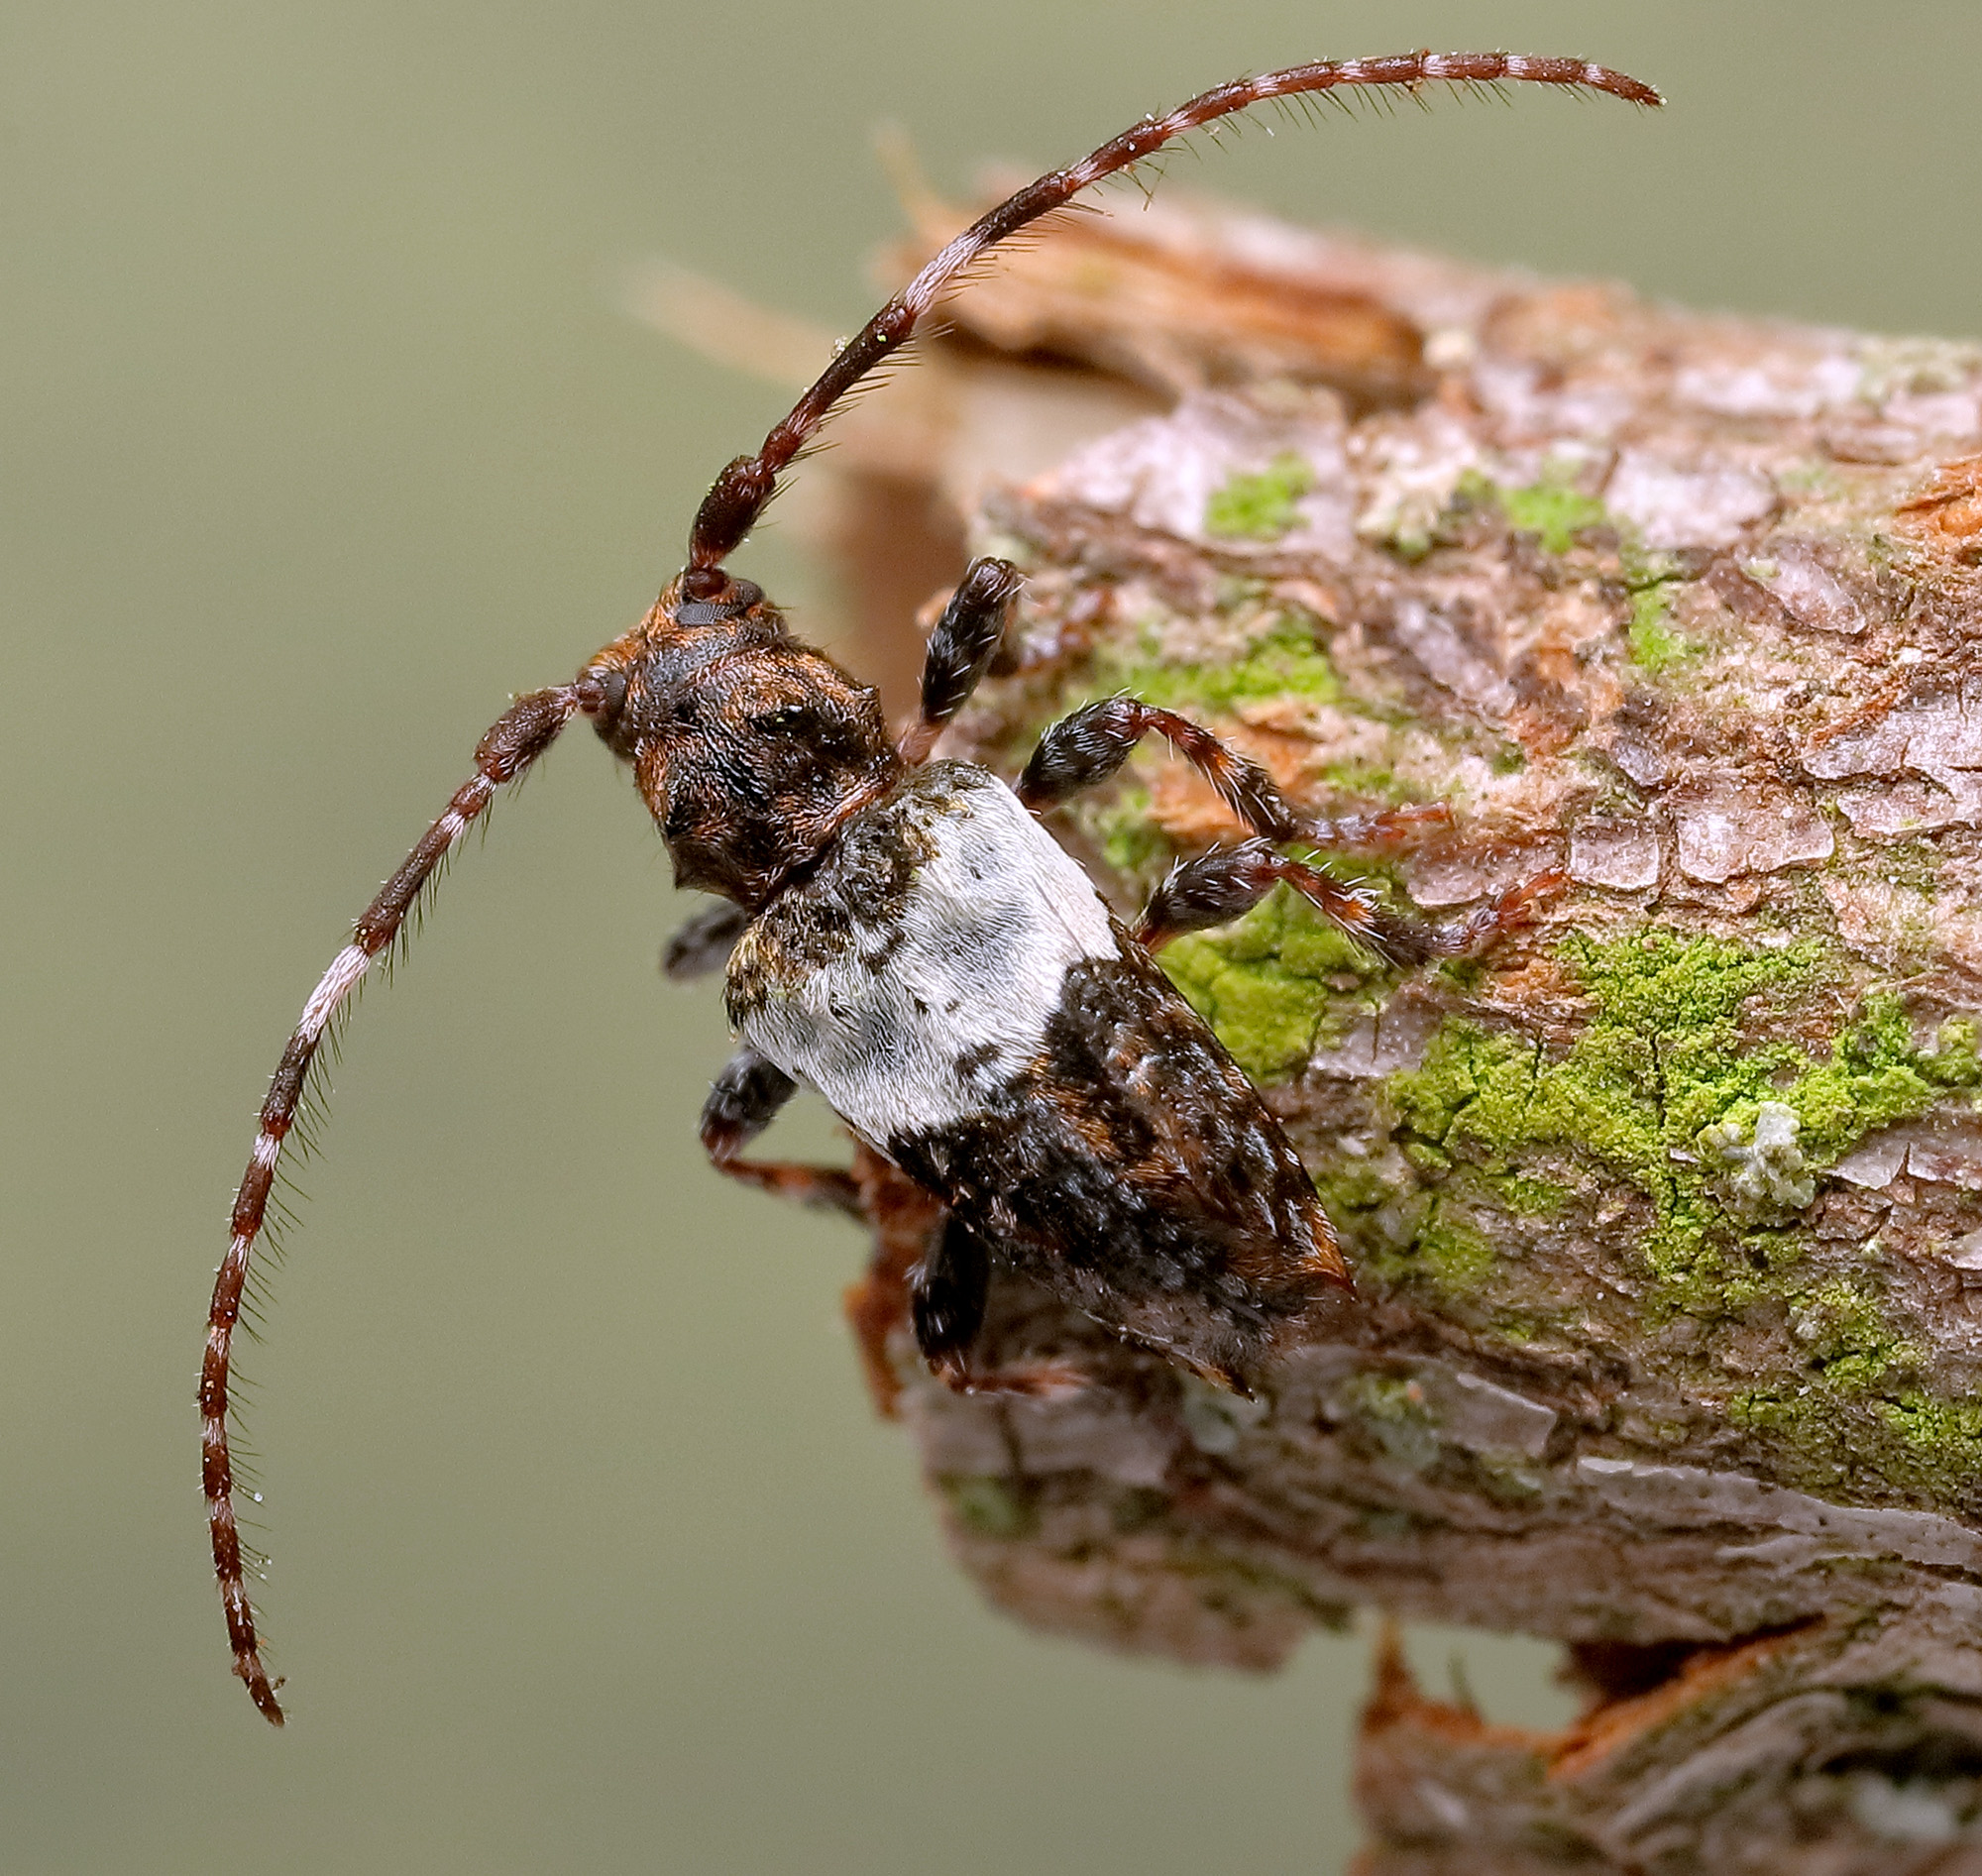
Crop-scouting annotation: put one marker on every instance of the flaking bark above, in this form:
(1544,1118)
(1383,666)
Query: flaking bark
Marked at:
(1665,1215)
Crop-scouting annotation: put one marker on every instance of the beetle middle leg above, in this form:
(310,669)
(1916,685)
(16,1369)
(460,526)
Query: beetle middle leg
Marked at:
(947,1293)
(1230,880)
(946,1288)
(751,1091)
(1088,747)
(705,943)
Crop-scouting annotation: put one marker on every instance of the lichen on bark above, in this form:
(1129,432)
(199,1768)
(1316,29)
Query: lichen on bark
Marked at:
(1666,1215)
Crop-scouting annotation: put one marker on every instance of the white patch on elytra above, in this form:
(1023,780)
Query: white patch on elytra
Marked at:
(978,950)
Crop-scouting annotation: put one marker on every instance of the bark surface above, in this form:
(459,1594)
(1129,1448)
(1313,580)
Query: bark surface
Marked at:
(1666,1216)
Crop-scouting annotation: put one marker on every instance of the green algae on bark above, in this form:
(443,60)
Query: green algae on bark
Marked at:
(1556,513)
(1281,657)
(1676,1048)
(1674,1044)
(1553,509)
(1268,984)
(1261,507)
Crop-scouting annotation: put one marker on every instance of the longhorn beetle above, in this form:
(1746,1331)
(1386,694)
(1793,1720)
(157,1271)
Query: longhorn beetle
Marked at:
(903,936)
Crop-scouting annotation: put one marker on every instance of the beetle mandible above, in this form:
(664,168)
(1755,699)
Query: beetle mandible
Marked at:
(904,937)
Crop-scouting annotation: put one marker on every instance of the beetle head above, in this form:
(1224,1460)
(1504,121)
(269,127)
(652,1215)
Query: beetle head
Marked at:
(748,748)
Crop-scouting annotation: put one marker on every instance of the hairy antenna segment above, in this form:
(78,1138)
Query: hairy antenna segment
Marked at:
(739,494)
(523,732)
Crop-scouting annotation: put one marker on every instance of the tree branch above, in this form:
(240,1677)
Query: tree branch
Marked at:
(1665,1217)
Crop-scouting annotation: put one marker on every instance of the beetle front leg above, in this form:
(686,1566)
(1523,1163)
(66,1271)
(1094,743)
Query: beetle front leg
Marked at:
(1088,747)
(746,1097)
(960,650)
(1221,884)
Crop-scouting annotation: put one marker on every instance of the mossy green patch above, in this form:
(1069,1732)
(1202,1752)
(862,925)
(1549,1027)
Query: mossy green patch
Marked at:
(1848,1339)
(1369,781)
(1263,507)
(1282,660)
(1877,1074)
(1130,842)
(1556,514)
(1267,984)
(1654,645)
(1938,1436)
(1676,1043)
(1526,1198)
(1393,1416)
(1551,509)
(1554,511)
(1427,1237)
(1352,1184)
(1899,1441)
(1507,1480)
(1454,1256)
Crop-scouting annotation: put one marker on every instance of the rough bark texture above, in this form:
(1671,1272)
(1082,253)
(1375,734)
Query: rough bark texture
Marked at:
(1664,1216)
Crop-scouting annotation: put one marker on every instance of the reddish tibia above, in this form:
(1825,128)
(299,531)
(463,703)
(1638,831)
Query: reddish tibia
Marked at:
(1228,882)
(818,1188)
(1089,746)
(524,732)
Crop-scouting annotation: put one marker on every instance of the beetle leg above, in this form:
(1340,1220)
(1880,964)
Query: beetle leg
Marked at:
(744,1100)
(1230,880)
(960,650)
(705,943)
(947,1292)
(1089,746)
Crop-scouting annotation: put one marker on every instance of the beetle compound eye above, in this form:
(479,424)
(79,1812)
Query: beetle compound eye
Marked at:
(738,599)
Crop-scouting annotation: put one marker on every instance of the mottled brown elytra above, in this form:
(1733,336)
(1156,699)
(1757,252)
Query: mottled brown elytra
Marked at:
(904,937)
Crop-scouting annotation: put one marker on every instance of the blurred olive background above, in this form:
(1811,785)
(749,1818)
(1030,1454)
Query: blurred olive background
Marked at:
(323,434)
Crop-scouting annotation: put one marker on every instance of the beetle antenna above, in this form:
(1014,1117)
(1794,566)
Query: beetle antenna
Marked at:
(523,732)
(738,495)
